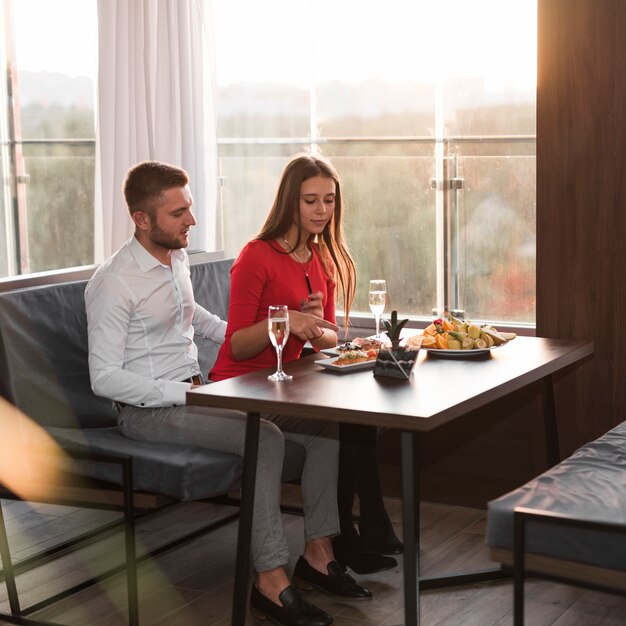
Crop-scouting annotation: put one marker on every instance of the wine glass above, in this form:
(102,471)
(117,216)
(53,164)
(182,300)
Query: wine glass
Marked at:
(278,330)
(377,296)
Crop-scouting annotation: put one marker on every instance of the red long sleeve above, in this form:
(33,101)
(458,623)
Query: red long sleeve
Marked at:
(261,276)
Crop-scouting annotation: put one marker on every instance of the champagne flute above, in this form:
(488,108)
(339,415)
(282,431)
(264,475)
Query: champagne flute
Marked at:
(377,298)
(278,330)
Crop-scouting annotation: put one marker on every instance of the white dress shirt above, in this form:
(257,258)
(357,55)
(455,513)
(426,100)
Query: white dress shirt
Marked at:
(141,320)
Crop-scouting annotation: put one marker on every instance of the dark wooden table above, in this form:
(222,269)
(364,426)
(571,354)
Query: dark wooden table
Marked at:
(440,390)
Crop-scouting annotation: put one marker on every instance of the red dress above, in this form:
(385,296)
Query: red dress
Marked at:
(262,275)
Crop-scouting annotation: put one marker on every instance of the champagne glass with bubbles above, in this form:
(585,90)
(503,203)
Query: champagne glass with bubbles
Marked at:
(278,329)
(377,298)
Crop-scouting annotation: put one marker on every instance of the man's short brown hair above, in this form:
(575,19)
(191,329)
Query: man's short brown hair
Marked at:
(146,181)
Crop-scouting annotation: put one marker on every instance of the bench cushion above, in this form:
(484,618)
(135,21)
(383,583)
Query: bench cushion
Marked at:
(591,484)
(178,471)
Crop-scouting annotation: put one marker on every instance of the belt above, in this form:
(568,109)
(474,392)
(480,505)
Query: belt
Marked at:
(196,379)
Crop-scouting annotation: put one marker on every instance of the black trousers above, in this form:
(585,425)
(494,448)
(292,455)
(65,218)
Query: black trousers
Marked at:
(359,475)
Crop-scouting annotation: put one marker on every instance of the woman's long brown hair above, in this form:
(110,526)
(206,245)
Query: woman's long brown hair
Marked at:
(286,210)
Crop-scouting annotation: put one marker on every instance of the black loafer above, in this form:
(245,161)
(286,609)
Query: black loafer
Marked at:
(295,611)
(350,554)
(336,583)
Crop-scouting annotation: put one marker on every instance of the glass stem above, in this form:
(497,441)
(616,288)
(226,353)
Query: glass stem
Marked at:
(279,358)
(378,327)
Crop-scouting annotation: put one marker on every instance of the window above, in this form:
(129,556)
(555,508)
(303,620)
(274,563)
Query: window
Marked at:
(426,109)
(47,134)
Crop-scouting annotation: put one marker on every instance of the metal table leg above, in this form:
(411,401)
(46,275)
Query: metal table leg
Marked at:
(413,582)
(549,422)
(410,511)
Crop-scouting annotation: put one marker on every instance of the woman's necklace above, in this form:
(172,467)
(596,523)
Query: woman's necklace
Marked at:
(294,249)
(302,263)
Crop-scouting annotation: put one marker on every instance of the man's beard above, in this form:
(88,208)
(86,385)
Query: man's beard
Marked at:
(158,237)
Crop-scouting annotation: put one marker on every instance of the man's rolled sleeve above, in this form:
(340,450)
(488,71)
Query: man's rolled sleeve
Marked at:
(208,325)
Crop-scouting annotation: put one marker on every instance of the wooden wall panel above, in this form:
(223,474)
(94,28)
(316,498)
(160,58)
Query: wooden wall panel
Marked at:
(581,204)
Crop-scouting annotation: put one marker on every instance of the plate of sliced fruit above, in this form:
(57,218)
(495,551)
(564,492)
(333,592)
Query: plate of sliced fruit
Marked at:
(450,337)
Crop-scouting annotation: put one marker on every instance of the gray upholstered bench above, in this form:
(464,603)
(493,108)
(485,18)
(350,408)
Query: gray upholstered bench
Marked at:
(569,523)
(44,372)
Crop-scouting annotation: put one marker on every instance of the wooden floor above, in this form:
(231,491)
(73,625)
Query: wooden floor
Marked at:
(192,585)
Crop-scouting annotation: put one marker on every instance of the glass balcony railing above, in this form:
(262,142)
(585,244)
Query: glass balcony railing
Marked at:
(54,221)
(449,224)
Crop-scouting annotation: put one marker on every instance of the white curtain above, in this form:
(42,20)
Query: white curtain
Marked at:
(155,101)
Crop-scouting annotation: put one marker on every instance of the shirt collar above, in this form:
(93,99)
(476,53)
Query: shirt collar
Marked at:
(144,259)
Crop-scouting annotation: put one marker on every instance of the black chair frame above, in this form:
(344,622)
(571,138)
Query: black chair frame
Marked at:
(522,516)
(19,614)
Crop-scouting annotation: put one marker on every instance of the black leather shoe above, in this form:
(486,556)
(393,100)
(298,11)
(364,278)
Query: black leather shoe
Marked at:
(350,554)
(336,583)
(295,611)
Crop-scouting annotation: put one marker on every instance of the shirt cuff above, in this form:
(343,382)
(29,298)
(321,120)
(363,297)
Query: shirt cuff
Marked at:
(175,393)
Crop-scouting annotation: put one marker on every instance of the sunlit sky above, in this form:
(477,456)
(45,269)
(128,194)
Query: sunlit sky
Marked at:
(56,36)
(402,40)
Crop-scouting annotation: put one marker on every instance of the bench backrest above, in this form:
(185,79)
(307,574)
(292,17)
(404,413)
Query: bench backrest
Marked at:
(43,348)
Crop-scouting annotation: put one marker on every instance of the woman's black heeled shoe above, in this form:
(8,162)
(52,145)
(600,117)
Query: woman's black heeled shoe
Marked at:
(350,554)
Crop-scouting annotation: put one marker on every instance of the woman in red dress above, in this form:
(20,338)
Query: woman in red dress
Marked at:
(298,259)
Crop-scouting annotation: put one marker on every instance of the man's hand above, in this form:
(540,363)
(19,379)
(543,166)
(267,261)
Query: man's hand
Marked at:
(308,326)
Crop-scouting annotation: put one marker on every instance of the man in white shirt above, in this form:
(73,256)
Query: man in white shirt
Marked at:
(142,318)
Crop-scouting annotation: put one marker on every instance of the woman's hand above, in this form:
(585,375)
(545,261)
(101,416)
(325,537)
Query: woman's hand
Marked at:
(248,342)
(309,326)
(313,304)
